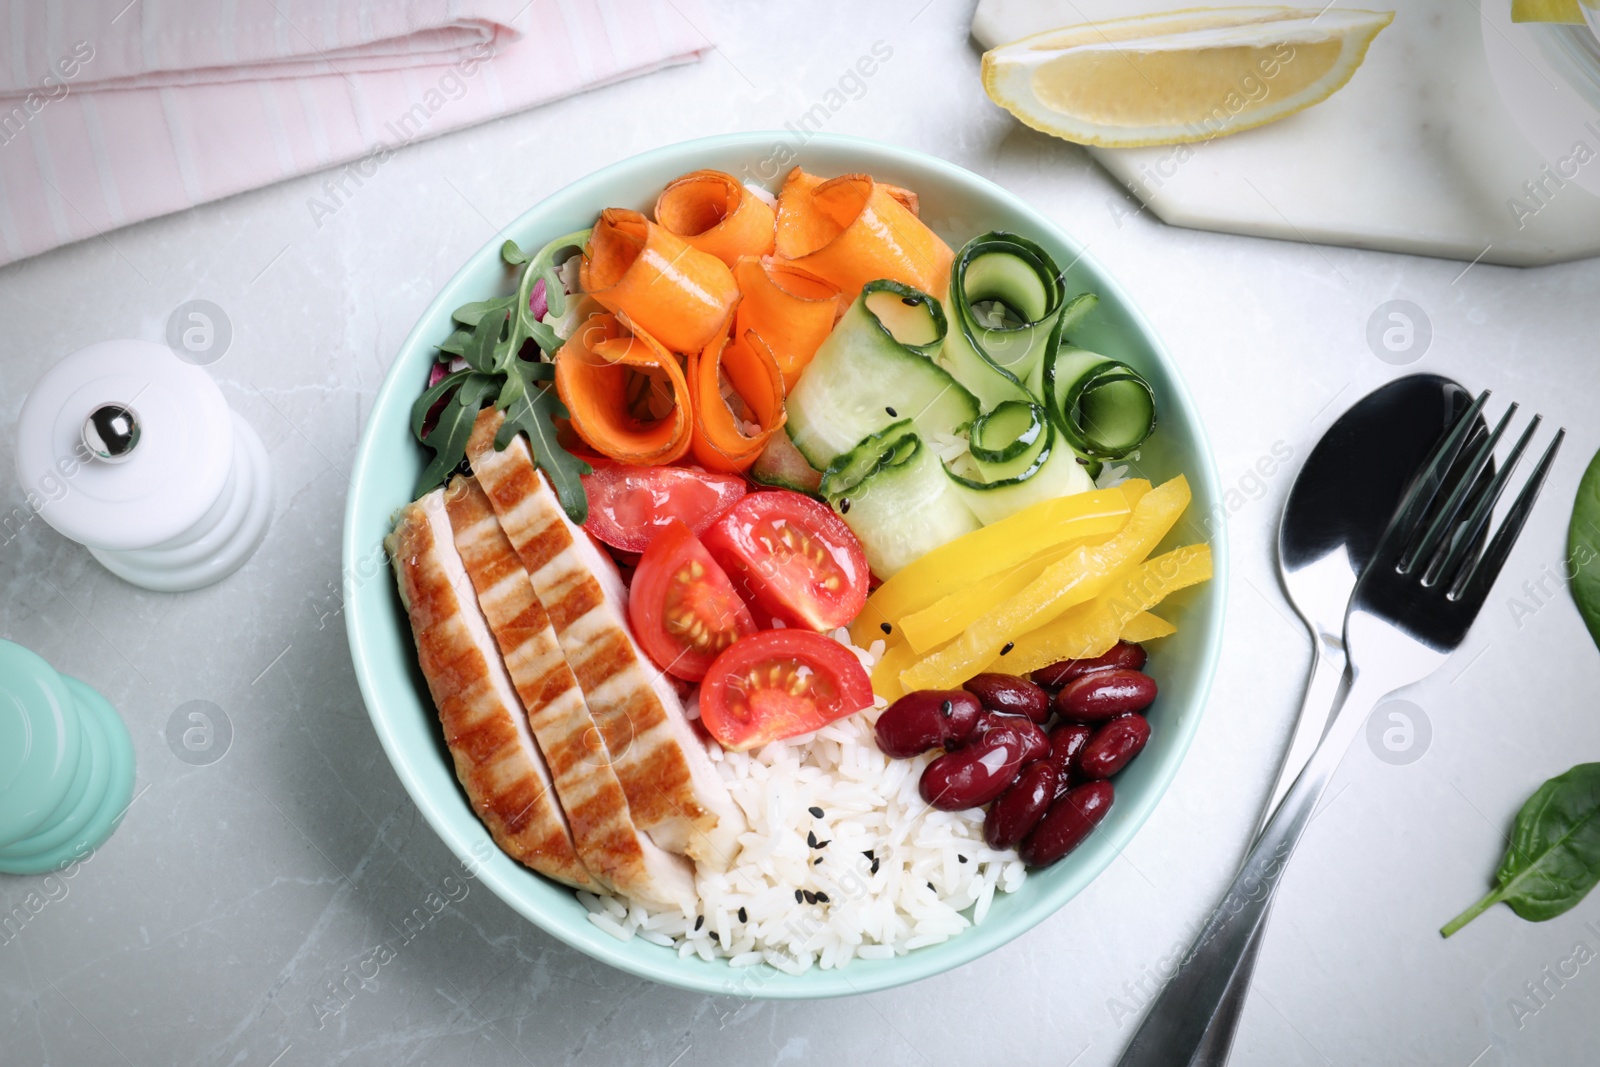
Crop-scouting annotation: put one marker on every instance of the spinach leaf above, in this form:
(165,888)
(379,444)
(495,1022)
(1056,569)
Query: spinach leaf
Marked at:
(1554,859)
(1583,548)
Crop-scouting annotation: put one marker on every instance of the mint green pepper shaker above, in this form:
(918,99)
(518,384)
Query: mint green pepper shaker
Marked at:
(66,765)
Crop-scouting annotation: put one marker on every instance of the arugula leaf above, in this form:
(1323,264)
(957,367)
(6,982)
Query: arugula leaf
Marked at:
(542,265)
(1583,548)
(1554,859)
(448,438)
(532,413)
(469,314)
(520,388)
(479,351)
(456,343)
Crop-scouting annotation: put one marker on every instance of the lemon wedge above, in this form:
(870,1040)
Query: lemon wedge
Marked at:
(1180,76)
(1568,11)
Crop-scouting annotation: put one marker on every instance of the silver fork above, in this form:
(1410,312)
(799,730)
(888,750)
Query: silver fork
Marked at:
(1411,609)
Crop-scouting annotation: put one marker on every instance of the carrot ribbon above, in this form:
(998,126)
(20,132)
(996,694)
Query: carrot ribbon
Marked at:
(625,392)
(738,402)
(677,294)
(851,230)
(790,309)
(714,212)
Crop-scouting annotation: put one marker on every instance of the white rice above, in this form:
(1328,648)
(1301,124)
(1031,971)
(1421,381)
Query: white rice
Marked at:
(895,875)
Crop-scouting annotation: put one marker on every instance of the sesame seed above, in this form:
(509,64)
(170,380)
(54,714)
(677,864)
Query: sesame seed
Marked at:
(892,413)
(811,839)
(715,938)
(960,858)
(818,861)
(811,898)
(886,628)
(816,813)
(744,916)
(874,866)
(825,844)
(844,506)
(1009,646)
(932,890)
(909,301)
(699,921)
(822,898)
(797,896)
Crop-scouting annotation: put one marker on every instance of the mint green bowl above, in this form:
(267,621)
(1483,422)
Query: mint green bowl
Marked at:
(958,205)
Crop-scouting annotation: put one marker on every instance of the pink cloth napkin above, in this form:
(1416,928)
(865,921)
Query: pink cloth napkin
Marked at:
(113,112)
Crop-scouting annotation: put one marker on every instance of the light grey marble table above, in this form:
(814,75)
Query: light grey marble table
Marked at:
(237,896)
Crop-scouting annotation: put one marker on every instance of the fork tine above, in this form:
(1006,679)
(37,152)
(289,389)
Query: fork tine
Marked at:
(1445,518)
(1403,525)
(1472,586)
(1457,552)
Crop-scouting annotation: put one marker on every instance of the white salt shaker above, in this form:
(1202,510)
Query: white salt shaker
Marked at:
(133,452)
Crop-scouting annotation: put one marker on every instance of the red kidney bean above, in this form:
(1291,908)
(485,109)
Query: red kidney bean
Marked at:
(1112,746)
(1105,694)
(1124,654)
(1066,741)
(1012,695)
(927,719)
(1069,820)
(1035,745)
(976,773)
(1021,806)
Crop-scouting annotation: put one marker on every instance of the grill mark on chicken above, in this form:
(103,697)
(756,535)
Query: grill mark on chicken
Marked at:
(496,760)
(660,758)
(603,827)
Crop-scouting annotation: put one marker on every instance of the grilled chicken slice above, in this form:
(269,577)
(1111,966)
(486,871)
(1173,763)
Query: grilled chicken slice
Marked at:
(496,759)
(672,788)
(608,842)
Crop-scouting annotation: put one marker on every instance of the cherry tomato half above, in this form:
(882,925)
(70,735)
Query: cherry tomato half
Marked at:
(793,558)
(683,608)
(779,683)
(628,505)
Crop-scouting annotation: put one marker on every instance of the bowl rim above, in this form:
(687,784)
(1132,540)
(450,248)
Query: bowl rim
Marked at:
(864,976)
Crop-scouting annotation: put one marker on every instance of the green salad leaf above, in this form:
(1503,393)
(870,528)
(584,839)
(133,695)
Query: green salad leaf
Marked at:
(531,413)
(490,343)
(1583,548)
(448,438)
(1554,859)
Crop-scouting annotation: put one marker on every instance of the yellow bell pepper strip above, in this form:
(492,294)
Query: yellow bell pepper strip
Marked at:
(1082,575)
(886,675)
(1147,627)
(931,627)
(1090,629)
(1133,490)
(974,557)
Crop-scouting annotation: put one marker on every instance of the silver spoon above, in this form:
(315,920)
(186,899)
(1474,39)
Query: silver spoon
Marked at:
(1337,509)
